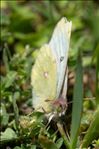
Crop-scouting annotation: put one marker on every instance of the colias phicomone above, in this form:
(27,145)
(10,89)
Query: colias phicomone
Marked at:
(49,73)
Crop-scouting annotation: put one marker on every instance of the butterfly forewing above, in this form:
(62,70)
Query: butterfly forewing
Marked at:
(60,45)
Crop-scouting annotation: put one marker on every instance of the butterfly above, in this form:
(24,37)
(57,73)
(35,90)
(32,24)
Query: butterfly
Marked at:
(49,73)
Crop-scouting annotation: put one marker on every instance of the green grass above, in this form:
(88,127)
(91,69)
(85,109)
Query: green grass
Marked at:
(26,26)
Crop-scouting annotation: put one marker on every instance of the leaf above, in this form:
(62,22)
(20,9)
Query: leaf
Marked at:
(93,131)
(10,78)
(4,116)
(33,147)
(77,102)
(17,147)
(47,143)
(59,142)
(8,135)
(22,147)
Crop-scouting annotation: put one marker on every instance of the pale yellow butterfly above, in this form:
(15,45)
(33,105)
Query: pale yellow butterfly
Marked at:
(49,73)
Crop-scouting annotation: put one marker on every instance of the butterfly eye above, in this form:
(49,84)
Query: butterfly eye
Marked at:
(61,58)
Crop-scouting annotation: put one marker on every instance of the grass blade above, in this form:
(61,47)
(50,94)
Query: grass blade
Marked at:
(77,102)
(5,59)
(97,74)
(16,110)
(93,130)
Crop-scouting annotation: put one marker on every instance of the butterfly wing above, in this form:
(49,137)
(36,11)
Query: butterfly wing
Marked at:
(59,45)
(48,73)
(44,79)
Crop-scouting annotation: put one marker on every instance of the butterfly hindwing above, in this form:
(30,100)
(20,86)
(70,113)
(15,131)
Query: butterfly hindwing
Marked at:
(44,79)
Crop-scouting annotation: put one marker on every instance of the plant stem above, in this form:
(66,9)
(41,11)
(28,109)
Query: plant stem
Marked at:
(61,130)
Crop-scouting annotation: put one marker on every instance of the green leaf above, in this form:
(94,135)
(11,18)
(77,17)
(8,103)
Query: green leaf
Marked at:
(33,147)
(10,78)
(47,143)
(59,142)
(17,147)
(93,131)
(8,135)
(4,116)
(77,102)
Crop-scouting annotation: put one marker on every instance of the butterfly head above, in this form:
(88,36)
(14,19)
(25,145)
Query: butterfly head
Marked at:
(59,105)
